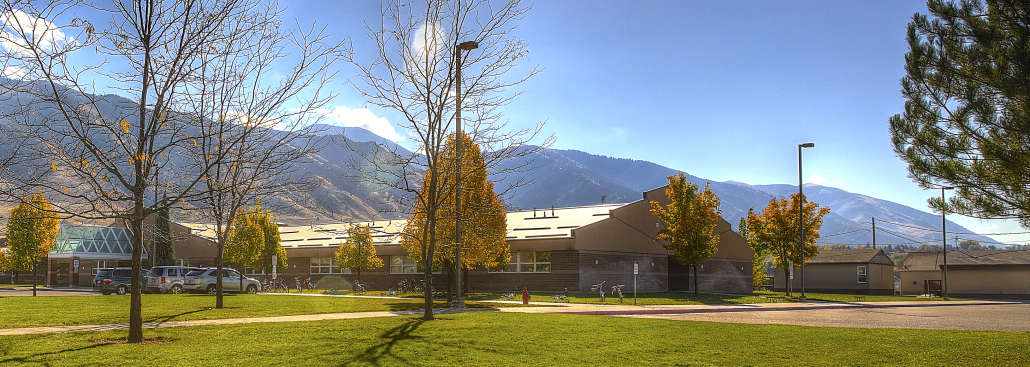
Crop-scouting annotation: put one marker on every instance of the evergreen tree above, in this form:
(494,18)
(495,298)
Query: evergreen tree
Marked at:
(967,106)
(689,222)
(164,244)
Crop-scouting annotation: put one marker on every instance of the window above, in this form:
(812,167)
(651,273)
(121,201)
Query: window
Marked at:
(248,271)
(402,265)
(98,265)
(527,262)
(182,262)
(861,274)
(326,265)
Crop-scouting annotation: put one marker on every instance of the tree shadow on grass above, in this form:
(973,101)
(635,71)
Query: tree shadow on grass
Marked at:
(37,357)
(170,317)
(377,353)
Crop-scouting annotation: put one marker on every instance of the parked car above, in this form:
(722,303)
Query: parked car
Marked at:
(204,280)
(116,280)
(168,279)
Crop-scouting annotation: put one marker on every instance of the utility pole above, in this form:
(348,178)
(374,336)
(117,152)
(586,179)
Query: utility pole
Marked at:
(874,232)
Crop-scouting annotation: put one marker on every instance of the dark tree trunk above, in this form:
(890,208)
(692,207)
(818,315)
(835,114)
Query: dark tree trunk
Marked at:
(695,281)
(464,281)
(34,263)
(450,283)
(136,297)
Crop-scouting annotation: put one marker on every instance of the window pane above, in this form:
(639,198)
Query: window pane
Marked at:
(543,267)
(543,257)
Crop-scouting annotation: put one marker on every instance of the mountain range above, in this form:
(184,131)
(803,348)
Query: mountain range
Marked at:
(563,178)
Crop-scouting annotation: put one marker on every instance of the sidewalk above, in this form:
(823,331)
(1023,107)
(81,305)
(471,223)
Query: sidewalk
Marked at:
(544,307)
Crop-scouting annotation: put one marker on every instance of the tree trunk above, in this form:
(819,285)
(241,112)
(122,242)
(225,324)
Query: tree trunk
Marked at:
(218,279)
(787,281)
(34,263)
(136,297)
(359,273)
(464,281)
(695,281)
(450,283)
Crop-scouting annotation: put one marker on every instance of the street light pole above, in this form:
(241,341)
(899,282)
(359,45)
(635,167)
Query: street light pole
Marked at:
(944,241)
(459,301)
(801,218)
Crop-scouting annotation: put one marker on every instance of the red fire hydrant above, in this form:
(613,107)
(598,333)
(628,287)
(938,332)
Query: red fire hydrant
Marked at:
(525,296)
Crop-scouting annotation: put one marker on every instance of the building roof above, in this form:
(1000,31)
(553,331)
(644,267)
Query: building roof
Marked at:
(93,242)
(526,224)
(933,260)
(869,255)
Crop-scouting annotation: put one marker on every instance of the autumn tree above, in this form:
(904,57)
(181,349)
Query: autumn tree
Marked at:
(32,233)
(967,108)
(254,240)
(93,135)
(748,229)
(412,70)
(357,251)
(484,220)
(689,222)
(779,229)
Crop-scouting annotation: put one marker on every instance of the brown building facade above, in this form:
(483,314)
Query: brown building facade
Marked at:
(858,271)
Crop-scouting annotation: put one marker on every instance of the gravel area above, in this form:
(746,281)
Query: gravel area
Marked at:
(1004,317)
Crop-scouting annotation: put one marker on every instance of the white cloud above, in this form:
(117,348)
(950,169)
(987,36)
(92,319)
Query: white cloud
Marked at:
(363,118)
(21,29)
(815,179)
(13,72)
(982,229)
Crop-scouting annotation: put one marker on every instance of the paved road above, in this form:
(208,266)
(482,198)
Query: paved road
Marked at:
(1000,317)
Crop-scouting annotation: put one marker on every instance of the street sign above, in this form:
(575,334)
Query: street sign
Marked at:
(636,269)
(275,261)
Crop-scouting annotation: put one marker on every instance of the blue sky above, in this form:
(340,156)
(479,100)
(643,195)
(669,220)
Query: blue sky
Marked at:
(722,90)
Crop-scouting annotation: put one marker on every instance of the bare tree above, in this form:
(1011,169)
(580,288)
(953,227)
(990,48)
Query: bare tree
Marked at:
(97,154)
(413,73)
(250,141)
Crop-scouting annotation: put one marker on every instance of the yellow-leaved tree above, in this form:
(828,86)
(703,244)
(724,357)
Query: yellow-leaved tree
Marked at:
(778,227)
(254,240)
(357,251)
(31,233)
(689,222)
(483,219)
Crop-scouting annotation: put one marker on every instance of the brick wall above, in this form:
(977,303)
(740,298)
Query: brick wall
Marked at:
(617,268)
(714,275)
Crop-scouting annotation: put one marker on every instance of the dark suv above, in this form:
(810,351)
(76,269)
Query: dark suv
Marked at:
(116,280)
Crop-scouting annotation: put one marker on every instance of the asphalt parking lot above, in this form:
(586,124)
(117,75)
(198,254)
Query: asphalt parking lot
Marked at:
(1000,317)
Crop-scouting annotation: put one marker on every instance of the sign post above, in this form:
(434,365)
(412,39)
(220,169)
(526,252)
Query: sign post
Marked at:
(275,261)
(636,270)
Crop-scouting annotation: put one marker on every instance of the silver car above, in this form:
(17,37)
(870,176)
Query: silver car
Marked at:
(204,280)
(168,279)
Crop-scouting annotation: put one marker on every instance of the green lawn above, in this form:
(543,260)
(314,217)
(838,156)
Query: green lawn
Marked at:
(79,310)
(509,339)
(685,298)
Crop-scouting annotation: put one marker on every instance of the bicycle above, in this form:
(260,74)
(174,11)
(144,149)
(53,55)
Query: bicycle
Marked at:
(280,285)
(510,296)
(617,288)
(599,288)
(309,284)
(300,289)
(359,287)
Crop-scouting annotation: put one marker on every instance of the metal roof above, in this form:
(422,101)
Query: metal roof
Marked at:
(933,260)
(850,256)
(522,225)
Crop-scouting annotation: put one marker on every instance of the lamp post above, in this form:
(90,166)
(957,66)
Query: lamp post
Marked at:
(801,218)
(944,241)
(459,301)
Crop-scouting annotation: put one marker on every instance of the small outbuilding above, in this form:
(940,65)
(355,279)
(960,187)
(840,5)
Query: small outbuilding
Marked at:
(1000,274)
(857,271)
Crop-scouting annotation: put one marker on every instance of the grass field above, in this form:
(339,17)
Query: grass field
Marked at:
(21,312)
(507,339)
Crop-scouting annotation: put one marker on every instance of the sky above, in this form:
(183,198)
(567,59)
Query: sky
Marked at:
(723,90)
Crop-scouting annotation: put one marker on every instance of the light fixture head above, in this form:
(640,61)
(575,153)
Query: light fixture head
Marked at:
(948,188)
(807,145)
(468,45)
